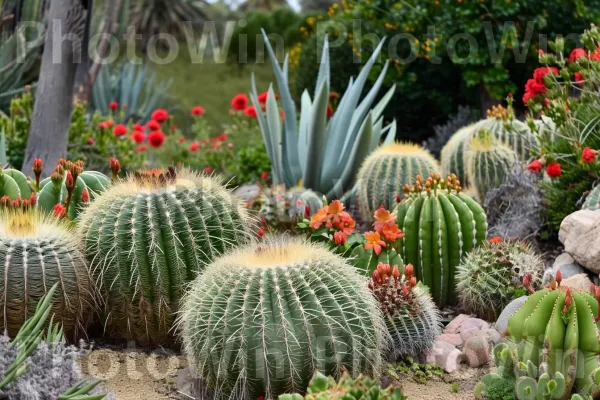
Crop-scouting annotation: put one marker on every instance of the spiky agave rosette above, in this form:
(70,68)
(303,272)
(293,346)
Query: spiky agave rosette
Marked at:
(490,276)
(37,251)
(149,235)
(411,316)
(261,319)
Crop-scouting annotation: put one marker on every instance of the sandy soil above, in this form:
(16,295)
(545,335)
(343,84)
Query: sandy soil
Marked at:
(440,388)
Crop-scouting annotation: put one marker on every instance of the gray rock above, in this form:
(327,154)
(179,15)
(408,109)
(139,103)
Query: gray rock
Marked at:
(444,355)
(454,325)
(579,281)
(477,351)
(567,266)
(509,310)
(247,192)
(472,324)
(580,234)
(451,338)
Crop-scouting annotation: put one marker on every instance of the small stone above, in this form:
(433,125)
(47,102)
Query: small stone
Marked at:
(509,310)
(477,351)
(579,281)
(567,266)
(454,325)
(444,355)
(452,338)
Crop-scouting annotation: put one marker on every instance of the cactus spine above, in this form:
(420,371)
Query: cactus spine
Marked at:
(272,313)
(37,251)
(385,172)
(509,132)
(440,225)
(490,277)
(592,201)
(147,236)
(488,163)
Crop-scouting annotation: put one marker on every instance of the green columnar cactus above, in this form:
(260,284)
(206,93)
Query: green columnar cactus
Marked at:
(149,235)
(553,344)
(440,225)
(592,201)
(361,388)
(510,132)
(489,277)
(411,316)
(488,163)
(385,172)
(260,320)
(36,251)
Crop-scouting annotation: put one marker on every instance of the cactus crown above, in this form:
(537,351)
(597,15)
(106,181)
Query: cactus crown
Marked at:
(483,141)
(433,184)
(498,112)
(156,177)
(405,148)
(19,223)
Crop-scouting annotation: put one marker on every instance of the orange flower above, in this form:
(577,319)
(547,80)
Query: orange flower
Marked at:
(495,240)
(346,223)
(318,219)
(391,232)
(374,242)
(340,238)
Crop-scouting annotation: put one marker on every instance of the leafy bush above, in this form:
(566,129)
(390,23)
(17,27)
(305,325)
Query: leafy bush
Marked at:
(16,128)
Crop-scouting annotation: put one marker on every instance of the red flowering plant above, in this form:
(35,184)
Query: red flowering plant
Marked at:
(564,97)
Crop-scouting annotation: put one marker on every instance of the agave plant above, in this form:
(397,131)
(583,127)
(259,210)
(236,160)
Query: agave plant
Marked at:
(131,85)
(323,155)
(169,16)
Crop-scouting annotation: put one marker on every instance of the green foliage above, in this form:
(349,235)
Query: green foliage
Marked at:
(490,276)
(381,178)
(441,224)
(289,298)
(249,165)
(151,17)
(37,251)
(361,388)
(414,370)
(310,152)
(149,235)
(15,126)
(455,388)
(282,208)
(495,387)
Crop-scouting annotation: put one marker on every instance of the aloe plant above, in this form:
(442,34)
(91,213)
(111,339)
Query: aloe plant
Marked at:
(323,155)
(132,86)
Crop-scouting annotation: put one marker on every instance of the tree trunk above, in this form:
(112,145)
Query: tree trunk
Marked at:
(54,96)
(486,101)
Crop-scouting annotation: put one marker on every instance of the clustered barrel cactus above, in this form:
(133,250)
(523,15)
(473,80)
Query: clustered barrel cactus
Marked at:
(260,320)
(411,317)
(37,251)
(385,172)
(441,224)
(149,235)
(490,276)
(361,388)
(553,345)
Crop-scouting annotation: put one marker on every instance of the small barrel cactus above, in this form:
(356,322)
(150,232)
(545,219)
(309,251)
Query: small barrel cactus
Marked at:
(274,312)
(385,172)
(490,276)
(510,132)
(411,316)
(37,251)
(149,235)
(488,163)
(441,224)
(553,344)
(361,388)
(592,201)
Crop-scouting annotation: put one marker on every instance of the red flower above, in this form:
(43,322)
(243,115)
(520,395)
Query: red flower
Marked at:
(577,54)
(156,139)
(263,97)
(181,140)
(197,111)
(535,166)
(553,170)
(578,77)
(160,115)
(120,130)
(153,125)
(588,155)
(138,127)
(60,211)
(333,95)
(103,125)
(138,136)
(173,128)
(113,105)
(329,111)
(91,141)
(250,112)
(221,138)
(141,148)
(85,196)
(264,176)
(208,170)
(541,52)
(339,238)
(540,73)
(194,146)
(216,145)
(239,102)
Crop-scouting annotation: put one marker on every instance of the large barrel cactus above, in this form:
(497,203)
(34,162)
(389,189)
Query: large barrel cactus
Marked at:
(385,172)
(553,345)
(441,224)
(149,235)
(488,163)
(37,251)
(259,321)
(411,317)
(512,133)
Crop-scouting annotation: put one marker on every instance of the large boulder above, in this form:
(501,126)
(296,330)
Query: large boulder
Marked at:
(580,234)
(509,310)
(477,351)
(579,282)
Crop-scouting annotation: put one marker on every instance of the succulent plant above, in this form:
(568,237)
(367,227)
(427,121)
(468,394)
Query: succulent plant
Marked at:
(385,172)
(281,208)
(510,132)
(592,201)
(441,224)
(361,388)
(411,316)
(37,251)
(488,163)
(14,184)
(490,276)
(149,235)
(553,345)
(261,319)
(324,155)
